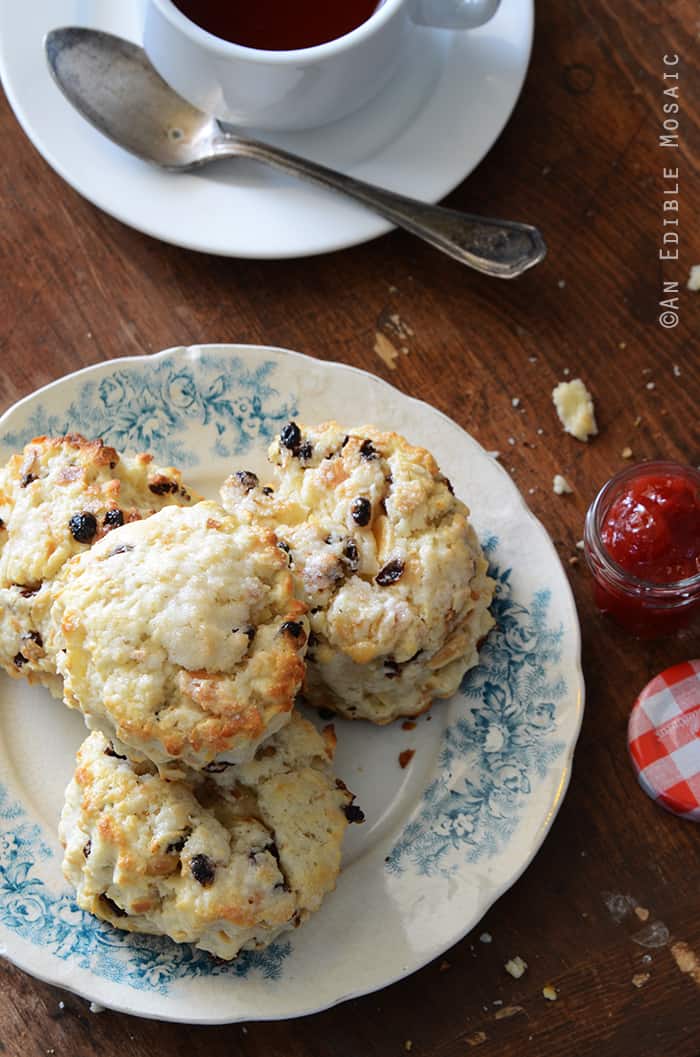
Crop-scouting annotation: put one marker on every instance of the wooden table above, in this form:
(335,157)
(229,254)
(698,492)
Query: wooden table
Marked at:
(581,158)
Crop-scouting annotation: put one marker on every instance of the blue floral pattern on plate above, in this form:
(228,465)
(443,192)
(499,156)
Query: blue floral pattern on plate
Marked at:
(153,407)
(491,756)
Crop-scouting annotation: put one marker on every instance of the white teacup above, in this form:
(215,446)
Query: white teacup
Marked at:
(293,89)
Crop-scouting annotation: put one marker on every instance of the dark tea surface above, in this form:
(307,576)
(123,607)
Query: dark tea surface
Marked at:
(278,25)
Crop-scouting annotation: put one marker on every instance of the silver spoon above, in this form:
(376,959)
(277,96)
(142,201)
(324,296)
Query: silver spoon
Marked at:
(113,85)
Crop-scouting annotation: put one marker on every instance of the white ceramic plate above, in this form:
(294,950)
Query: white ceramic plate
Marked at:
(443,838)
(427,131)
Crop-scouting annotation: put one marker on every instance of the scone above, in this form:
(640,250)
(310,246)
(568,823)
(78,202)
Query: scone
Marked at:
(180,637)
(223,869)
(386,559)
(57,498)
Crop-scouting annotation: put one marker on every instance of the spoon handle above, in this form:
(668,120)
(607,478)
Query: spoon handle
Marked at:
(500,248)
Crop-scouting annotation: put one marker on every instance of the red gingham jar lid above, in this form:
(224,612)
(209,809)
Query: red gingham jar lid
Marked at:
(664,739)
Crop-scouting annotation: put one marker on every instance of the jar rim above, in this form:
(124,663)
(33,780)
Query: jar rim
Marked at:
(597,510)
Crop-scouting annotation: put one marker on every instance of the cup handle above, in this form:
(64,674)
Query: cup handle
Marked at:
(454,14)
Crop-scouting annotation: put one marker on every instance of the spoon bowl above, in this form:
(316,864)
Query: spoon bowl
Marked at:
(112,83)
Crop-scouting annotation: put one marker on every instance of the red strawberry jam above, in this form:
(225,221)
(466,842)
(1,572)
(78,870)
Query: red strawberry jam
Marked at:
(653,528)
(643,546)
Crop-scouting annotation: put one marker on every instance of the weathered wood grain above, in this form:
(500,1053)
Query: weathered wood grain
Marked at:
(581,159)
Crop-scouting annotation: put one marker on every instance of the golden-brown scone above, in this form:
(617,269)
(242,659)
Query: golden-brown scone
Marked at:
(180,637)
(223,869)
(386,559)
(57,498)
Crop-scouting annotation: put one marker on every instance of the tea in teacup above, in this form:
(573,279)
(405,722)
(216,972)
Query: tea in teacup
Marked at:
(278,25)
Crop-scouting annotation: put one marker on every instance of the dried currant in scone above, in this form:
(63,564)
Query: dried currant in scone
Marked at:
(203,869)
(290,437)
(353,813)
(113,519)
(246,479)
(293,628)
(83,526)
(391,572)
(351,555)
(286,549)
(361,511)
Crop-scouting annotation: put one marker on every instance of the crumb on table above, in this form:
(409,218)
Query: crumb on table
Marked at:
(477,1038)
(574,406)
(694,278)
(507,1012)
(516,967)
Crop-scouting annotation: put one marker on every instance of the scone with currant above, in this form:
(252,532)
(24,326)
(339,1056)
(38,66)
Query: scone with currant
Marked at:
(181,638)
(385,557)
(58,497)
(224,869)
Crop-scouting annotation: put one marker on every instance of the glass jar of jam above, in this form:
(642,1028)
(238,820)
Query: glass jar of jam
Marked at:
(642,545)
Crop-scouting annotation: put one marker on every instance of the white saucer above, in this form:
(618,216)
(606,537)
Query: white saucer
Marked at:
(428,130)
